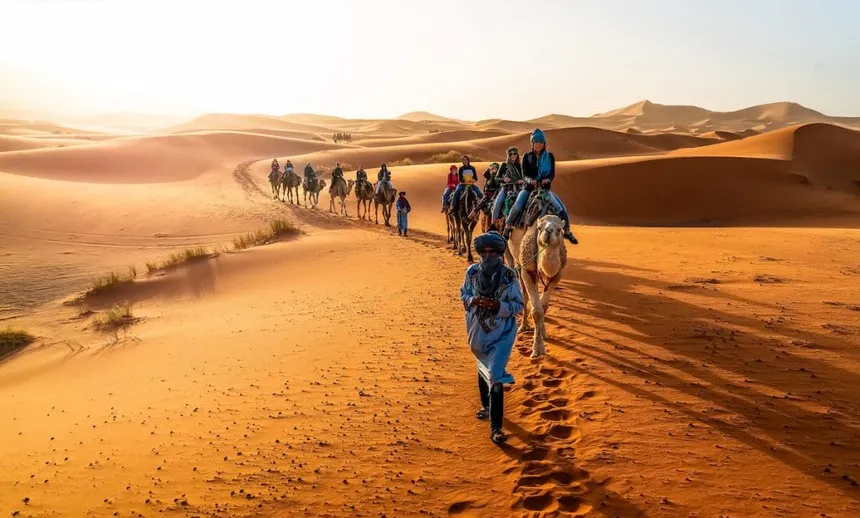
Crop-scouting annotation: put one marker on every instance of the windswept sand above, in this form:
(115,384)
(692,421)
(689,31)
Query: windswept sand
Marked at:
(703,358)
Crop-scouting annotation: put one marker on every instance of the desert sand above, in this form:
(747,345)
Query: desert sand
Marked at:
(703,352)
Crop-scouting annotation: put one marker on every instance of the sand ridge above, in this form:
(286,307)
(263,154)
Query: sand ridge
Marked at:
(702,345)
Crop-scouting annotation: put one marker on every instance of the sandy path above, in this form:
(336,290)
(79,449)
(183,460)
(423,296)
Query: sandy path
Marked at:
(690,372)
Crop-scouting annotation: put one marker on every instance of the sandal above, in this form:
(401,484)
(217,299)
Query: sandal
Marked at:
(498,436)
(482,414)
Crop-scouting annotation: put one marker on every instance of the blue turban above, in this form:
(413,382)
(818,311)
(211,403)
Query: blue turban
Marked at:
(538,136)
(492,240)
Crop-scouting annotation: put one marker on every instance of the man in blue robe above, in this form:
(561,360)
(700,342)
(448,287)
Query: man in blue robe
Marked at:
(492,299)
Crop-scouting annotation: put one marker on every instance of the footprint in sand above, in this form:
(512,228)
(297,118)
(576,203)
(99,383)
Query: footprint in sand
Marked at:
(559,402)
(555,415)
(561,431)
(535,453)
(544,503)
(553,383)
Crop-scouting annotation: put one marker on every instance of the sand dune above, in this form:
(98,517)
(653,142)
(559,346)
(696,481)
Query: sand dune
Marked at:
(691,369)
(827,155)
(16,143)
(226,121)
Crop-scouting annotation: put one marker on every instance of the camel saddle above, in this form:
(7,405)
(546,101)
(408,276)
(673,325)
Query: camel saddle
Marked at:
(538,206)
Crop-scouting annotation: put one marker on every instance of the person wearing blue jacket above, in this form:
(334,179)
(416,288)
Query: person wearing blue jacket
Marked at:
(492,299)
(403,209)
(538,169)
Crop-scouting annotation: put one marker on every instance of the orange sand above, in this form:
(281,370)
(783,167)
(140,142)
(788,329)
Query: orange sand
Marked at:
(703,346)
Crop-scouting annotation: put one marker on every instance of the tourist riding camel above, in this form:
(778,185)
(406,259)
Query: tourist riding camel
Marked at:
(491,187)
(289,167)
(310,175)
(510,178)
(451,183)
(360,175)
(383,177)
(492,299)
(468,178)
(336,176)
(539,171)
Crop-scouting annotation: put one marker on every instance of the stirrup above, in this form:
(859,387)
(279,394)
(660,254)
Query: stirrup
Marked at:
(506,232)
(482,414)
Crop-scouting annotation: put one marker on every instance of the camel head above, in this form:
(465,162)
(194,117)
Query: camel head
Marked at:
(349,185)
(320,185)
(550,231)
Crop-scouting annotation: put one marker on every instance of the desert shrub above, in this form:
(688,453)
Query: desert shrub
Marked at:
(13,339)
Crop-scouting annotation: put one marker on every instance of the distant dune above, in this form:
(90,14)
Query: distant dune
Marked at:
(424,116)
(228,121)
(163,158)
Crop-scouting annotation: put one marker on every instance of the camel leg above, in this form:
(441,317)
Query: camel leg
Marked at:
(538,347)
(546,295)
(468,243)
(527,303)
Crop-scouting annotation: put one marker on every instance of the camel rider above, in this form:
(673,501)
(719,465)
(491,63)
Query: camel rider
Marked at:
(451,183)
(289,167)
(383,177)
(510,177)
(310,176)
(276,166)
(336,175)
(468,177)
(491,187)
(360,175)
(538,170)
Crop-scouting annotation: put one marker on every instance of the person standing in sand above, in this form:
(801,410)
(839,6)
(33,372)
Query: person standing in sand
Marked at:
(403,209)
(492,300)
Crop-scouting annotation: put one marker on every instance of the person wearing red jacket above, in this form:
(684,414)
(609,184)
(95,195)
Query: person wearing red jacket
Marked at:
(452,182)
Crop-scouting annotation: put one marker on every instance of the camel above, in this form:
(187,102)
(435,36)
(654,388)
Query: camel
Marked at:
(289,182)
(451,223)
(386,199)
(313,191)
(539,254)
(340,189)
(364,195)
(464,224)
(275,182)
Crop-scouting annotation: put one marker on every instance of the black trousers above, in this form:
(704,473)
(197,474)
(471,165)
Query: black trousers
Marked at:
(493,399)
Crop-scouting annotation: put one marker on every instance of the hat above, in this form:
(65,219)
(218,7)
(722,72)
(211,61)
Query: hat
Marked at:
(538,136)
(490,241)
(513,149)
(402,193)
(494,164)
(452,168)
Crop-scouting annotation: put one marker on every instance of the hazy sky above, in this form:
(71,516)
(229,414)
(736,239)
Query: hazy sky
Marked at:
(471,59)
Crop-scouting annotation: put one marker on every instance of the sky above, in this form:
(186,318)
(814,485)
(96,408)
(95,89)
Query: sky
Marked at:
(468,59)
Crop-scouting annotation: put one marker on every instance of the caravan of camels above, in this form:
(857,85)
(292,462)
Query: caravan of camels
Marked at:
(536,248)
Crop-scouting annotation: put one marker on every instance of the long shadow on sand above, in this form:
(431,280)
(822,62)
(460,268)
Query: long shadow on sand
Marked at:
(762,379)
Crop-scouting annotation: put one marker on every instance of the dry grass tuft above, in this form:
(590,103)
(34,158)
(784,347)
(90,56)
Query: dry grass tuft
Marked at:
(13,339)
(119,316)
(277,228)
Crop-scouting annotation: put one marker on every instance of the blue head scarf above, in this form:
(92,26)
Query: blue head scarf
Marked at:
(544,165)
